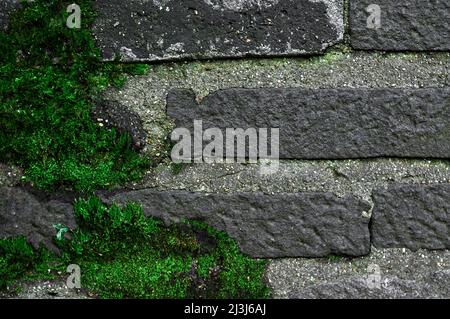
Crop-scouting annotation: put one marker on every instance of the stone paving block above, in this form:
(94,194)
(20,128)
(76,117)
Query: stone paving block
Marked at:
(144,30)
(414,25)
(329,123)
(412,216)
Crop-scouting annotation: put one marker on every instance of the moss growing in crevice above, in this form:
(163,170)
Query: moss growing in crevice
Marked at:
(50,80)
(346,5)
(123,254)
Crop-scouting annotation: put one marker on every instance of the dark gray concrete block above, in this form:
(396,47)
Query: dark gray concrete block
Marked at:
(114,115)
(435,286)
(416,25)
(329,123)
(412,216)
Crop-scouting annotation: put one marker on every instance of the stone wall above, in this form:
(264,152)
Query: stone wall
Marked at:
(363,105)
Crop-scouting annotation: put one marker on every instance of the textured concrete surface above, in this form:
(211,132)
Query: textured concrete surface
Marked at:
(403,273)
(328,123)
(145,30)
(414,25)
(412,216)
(269,226)
(385,273)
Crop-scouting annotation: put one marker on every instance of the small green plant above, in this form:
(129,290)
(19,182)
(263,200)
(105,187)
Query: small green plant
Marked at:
(50,80)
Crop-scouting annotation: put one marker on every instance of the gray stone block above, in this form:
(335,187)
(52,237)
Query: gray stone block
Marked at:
(405,25)
(412,216)
(279,225)
(149,30)
(329,123)
(22,213)
(436,285)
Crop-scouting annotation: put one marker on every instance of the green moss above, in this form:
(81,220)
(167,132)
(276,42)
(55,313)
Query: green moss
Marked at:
(123,254)
(128,255)
(16,257)
(18,260)
(138,276)
(332,55)
(239,275)
(335,258)
(176,168)
(50,79)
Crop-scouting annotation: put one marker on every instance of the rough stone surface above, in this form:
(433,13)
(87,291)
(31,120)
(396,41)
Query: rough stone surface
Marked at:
(146,95)
(436,286)
(55,289)
(22,213)
(405,25)
(10,175)
(412,216)
(6,7)
(385,273)
(113,114)
(329,123)
(281,225)
(144,30)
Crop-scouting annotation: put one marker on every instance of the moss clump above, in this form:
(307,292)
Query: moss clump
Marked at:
(50,77)
(123,254)
(18,260)
(16,257)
